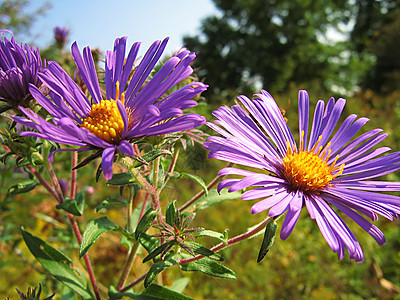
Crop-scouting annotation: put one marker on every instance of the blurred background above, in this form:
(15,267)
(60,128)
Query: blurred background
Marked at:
(341,48)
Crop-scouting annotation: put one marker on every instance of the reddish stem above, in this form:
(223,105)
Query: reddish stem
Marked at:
(202,192)
(231,241)
(73,175)
(216,248)
(60,198)
(43,182)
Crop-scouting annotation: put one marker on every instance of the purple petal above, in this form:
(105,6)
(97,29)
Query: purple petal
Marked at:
(304,107)
(292,215)
(269,202)
(126,148)
(107,159)
(363,223)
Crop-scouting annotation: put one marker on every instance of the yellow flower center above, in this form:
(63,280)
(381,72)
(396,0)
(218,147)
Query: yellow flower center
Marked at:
(308,171)
(105,120)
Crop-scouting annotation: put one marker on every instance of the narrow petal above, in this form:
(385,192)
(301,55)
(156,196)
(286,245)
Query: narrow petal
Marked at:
(107,159)
(269,202)
(126,148)
(292,215)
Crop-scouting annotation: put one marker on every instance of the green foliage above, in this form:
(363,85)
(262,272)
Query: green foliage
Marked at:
(57,264)
(272,43)
(152,292)
(14,15)
(160,266)
(73,206)
(109,201)
(268,240)
(145,222)
(209,267)
(280,45)
(22,187)
(95,229)
(196,178)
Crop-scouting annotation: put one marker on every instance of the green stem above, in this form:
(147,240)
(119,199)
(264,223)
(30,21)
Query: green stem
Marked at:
(156,168)
(128,164)
(130,211)
(171,168)
(128,265)
(73,175)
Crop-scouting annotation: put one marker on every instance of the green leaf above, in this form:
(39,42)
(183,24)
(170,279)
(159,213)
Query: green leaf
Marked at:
(170,213)
(209,267)
(114,294)
(196,178)
(22,187)
(57,264)
(111,201)
(180,284)
(68,294)
(158,251)
(199,249)
(93,230)
(148,242)
(160,176)
(268,241)
(161,292)
(214,197)
(153,292)
(158,267)
(217,235)
(145,222)
(73,206)
(122,179)
(152,155)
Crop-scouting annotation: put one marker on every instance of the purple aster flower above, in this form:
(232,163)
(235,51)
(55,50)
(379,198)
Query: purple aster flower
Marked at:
(60,35)
(326,171)
(19,67)
(132,106)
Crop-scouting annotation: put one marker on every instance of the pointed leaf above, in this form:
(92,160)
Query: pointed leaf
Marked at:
(158,251)
(161,292)
(93,230)
(199,249)
(57,264)
(121,179)
(22,187)
(73,206)
(114,294)
(170,213)
(180,284)
(189,220)
(196,178)
(68,294)
(152,155)
(213,234)
(158,267)
(209,267)
(148,242)
(268,240)
(145,222)
(110,201)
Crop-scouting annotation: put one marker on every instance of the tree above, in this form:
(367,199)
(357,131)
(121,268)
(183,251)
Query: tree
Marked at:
(377,33)
(269,43)
(14,17)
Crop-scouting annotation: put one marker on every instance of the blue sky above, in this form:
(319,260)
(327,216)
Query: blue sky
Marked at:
(98,23)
